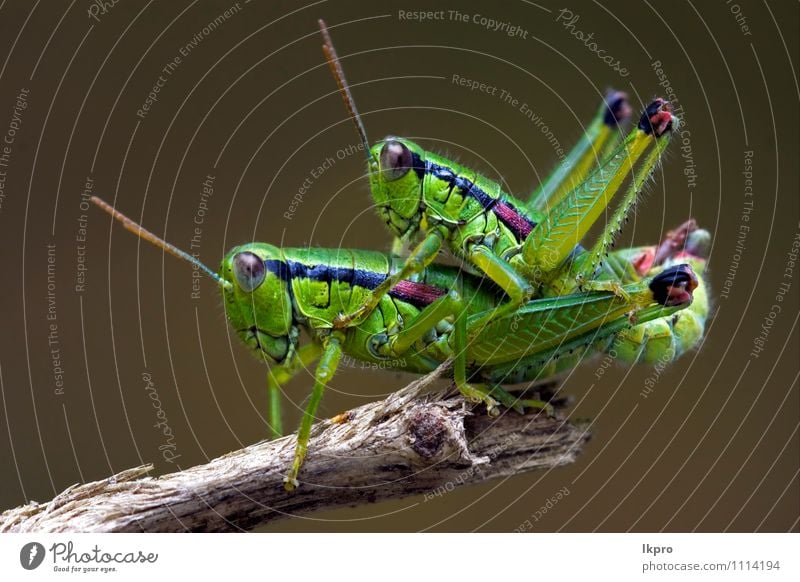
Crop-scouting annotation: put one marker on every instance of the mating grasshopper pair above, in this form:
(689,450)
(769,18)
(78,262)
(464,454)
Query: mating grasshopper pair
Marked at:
(543,296)
(273,294)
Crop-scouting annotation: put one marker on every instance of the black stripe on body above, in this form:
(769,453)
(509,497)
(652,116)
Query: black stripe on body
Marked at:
(469,188)
(417,294)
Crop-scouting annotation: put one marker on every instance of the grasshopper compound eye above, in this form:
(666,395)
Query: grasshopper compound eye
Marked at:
(396,160)
(674,285)
(249,270)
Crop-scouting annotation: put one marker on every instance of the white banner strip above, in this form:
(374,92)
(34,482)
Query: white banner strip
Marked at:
(354,557)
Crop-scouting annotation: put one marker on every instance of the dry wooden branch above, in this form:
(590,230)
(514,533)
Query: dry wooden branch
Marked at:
(405,445)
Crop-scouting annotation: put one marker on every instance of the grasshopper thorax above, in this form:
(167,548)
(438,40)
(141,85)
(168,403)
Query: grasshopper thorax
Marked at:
(258,302)
(396,174)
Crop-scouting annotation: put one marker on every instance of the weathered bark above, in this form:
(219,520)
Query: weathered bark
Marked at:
(405,445)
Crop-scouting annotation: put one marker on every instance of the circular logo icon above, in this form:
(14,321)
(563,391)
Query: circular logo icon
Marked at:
(31,555)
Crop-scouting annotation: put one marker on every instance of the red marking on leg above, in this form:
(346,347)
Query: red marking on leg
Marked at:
(519,224)
(417,294)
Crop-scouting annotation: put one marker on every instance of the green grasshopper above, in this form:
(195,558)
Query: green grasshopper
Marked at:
(271,294)
(659,340)
(525,251)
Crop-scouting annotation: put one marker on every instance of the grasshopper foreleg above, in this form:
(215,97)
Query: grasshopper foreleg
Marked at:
(331,354)
(278,375)
(419,258)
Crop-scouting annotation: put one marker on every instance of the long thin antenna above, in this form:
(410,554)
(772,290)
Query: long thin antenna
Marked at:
(141,232)
(344,88)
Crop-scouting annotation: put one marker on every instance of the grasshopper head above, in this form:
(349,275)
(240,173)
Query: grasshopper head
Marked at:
(258,303)
(674,285)
(396,173)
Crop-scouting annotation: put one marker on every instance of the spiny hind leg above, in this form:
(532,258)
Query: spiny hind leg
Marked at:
(599,141)
(631,265)
(550,244)
(584,270)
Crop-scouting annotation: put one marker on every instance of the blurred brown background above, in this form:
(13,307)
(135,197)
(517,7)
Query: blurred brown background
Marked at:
(251,103)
